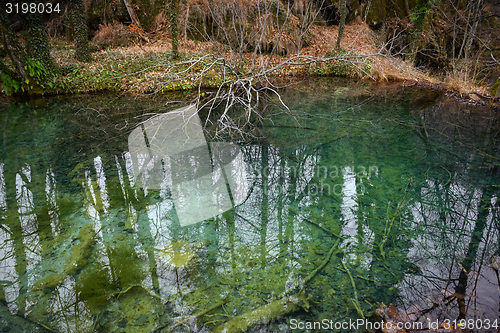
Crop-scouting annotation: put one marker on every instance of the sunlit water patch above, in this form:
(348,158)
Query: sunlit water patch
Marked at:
(363,202)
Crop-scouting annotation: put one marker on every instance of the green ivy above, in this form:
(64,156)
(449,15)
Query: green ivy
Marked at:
(9,85)
(38,77)
(422,9)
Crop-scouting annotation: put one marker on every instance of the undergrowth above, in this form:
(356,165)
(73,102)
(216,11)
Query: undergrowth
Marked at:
(148,72)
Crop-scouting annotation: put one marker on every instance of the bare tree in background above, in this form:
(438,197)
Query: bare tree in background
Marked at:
(132,14)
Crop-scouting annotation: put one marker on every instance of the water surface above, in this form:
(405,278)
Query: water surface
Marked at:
(362,194)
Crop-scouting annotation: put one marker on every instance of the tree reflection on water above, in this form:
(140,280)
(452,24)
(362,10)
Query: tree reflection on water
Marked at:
(403,181)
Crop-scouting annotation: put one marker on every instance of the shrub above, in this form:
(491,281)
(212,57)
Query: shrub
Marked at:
(113,35)
(355,68)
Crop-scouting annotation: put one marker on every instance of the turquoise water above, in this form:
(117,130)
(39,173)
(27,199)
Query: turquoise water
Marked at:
(363,202)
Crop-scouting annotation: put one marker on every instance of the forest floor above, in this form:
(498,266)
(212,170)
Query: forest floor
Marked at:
(147,67)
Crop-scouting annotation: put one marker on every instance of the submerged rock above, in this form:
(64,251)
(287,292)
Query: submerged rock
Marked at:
(79,254)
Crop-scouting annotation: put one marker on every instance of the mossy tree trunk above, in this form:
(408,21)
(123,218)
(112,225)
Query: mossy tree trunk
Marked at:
(174,26)
(37,42)
(13,47)
(79,21)
(16,78)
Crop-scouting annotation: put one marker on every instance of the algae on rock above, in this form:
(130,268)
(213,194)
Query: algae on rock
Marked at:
(78,259)
(265,314)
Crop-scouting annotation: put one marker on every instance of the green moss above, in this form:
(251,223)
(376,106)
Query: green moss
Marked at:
(82,50)
(82,250)
(126,265)
(375,12)
(50,282)
(94,287)
(494,88)
(78,259)
(344,68)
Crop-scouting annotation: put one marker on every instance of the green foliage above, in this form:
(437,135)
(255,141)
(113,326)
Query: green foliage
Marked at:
(39,75)
(422,10)
(10,85)
(39,79)
(36,70)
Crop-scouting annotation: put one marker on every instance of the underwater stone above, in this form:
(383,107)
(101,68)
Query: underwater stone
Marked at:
(79,256)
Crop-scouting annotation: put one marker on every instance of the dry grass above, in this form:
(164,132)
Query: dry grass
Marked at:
(462,83)
(358,39)
(114,35)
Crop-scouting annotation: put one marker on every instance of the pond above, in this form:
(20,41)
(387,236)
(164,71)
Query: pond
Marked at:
(362,204)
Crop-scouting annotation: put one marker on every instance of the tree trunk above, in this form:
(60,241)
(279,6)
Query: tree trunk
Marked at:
(132,14)
(12,46)
(481,223)
(343,14)
(174,26)
(407,8)
(79,20)
(18,78)
(472,34)
(37,43)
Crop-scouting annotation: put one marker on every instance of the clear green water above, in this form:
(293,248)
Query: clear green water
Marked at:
(391,192)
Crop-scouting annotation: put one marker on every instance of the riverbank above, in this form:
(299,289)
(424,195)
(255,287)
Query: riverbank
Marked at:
(149,67)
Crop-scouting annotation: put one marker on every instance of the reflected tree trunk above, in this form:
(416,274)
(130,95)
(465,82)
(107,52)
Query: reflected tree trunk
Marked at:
(265,201)
(14,224)
(143,222)
(290,200)
(470,257)
(41,206)
(281,204)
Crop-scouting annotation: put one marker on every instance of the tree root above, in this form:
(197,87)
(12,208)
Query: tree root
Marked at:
(265,314)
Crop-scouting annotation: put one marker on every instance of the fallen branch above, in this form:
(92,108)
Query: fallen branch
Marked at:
(323,264)
(355,302)
(318,225)
(199,314)
(265,314)
(388,228)
(149,291)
